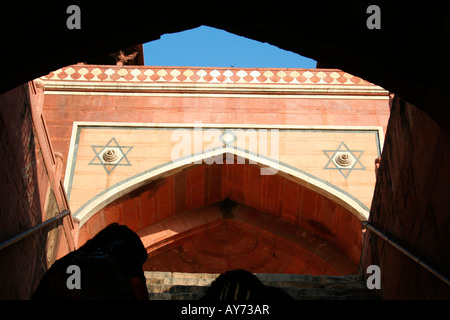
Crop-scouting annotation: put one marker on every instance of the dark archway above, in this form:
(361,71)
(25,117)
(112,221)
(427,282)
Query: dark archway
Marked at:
(36,41)
(335,33)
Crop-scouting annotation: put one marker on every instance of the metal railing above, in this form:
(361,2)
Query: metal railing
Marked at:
(406,252)
(34,229)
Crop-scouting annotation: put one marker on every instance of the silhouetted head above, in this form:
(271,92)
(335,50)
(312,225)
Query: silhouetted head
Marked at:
(242,285)
(114,233)
(106,264)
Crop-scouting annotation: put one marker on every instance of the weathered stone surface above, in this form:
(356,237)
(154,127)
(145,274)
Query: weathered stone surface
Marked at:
(411,206)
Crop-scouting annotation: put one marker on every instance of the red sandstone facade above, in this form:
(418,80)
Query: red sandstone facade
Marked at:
(280,223)
(194,216)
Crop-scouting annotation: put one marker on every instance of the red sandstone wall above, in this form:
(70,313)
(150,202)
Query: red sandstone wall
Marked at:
(30,192)
(411,206)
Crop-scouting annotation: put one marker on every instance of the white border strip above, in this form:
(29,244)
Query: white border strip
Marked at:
(71,155)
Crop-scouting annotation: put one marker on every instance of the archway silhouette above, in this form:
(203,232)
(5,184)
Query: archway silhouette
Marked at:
(337,36)
(377,57)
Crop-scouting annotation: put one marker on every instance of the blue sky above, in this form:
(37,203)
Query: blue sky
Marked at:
(209,47)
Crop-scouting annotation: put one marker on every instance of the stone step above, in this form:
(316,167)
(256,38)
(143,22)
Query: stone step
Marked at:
(191,286)
(179,278)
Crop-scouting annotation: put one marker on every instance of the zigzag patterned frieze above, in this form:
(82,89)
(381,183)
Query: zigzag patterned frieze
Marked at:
(142,74)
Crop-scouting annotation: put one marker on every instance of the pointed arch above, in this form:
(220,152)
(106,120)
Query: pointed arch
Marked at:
(341,197)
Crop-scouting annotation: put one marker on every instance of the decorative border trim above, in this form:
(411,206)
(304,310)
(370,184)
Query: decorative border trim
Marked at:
(102,73)
(217,82)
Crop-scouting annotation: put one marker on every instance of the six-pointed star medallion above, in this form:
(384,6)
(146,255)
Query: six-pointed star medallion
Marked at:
(111,155)
(344,160)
